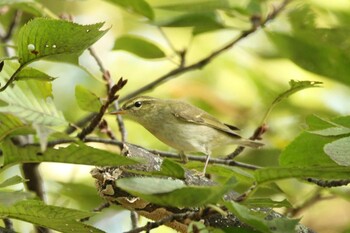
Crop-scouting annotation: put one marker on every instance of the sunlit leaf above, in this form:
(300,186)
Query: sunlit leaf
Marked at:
(262,221)
(30,6)
(8,198)
(339,151)
(325,127)
(307,150)
(195,5)
(12,181)
(171,169)
(266,202)
(87,100)
(333,131)
(26,106)
(11,125)
(30,100)
(31,73)
(201,23)
(277,173)
(295,86)
(242,176)
(174,192)
(140,7)
(53,217)
(150,185)
(86,192)
(43,38)
(317,123)
(138,46)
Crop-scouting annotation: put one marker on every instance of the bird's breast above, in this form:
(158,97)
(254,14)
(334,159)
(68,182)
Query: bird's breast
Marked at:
(188,137)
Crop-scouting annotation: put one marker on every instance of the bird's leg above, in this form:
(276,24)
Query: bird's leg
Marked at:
(183,157)
(206,163)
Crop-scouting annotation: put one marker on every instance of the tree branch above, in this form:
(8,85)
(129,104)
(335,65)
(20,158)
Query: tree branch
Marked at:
(175,155)
(203,62)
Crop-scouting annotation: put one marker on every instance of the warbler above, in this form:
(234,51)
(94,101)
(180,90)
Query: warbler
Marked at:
(183,126)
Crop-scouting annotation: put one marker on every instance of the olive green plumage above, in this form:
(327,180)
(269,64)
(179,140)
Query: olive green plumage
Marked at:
(182,125)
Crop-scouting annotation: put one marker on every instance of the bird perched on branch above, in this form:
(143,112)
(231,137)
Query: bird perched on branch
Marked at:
(183,126)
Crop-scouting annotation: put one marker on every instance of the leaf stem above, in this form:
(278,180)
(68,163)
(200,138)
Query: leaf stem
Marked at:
(13,77)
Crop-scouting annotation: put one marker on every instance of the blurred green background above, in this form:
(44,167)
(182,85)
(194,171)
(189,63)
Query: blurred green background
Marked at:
(237,87)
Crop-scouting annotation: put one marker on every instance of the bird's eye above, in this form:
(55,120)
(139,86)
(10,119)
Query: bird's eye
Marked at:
(138,104)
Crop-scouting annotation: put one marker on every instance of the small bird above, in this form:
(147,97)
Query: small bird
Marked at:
(183,126)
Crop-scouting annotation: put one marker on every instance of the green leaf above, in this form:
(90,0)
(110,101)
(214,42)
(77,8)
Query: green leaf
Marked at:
(333,131)
(150,185)
(314,49)
(201,23)
(317,123)
(173,192)
(43,38)
(276,173)
(30,6)
(295,86)
(12,181)
(87,100)
(307,150)
(266,202)
(31,73)
(53,217)
(30,100)
(8,198)
(339,151)
(262,222)
(11,125)
(195,5)
(138,46)
(85,191)
(171,169)
(140,7)
(242,176)
(75,154)
(325,127)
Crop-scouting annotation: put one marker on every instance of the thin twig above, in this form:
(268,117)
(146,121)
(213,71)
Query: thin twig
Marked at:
(133,217)
(81,123)
(110,84)
(203,62)
(8,224)
(110,99)
(13,77)
(152,225)
(8,34)
(246,194)
(97,209)
(256,136)
(329,183)
(15,21)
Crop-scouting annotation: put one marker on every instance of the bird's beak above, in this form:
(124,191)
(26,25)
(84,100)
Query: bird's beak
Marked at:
(119,112)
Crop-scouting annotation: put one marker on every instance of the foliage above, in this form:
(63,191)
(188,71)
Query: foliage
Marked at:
(34,129)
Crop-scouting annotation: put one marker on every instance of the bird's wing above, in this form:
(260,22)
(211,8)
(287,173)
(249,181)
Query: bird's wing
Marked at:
(189,113)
